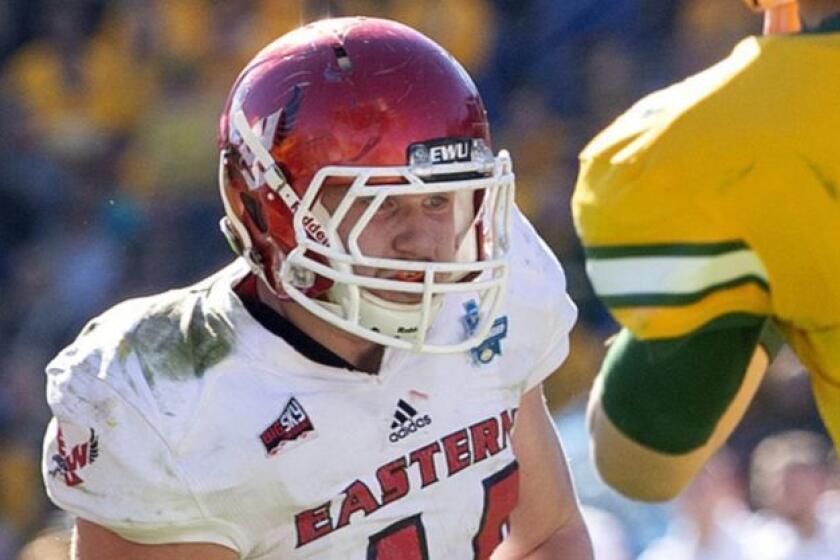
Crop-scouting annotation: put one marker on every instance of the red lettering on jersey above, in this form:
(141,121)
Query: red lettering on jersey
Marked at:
(457,450)
(508,417)
(272,433)
(485,438)
(424,457)
(313,524)
(403,540)
(357,497)
(78,458)
(62,449)
(501,492)
(461,449)
(72,479)
(394,480)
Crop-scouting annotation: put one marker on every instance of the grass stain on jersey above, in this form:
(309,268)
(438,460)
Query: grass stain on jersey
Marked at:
(84,490)
(179,339)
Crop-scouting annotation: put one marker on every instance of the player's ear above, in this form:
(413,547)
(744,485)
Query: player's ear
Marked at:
(783,19)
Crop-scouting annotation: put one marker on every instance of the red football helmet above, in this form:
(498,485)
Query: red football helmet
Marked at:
(377,109)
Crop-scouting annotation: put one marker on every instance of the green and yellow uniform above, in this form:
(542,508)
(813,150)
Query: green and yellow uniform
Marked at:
(715,203)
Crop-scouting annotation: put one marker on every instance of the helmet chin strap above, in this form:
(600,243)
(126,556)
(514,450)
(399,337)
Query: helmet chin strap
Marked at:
(398,320)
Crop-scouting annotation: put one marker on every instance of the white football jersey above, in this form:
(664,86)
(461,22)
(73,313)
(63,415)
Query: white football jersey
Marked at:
(180,418)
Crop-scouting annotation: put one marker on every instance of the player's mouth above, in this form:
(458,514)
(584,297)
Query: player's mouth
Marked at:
(412,276)
(407,276)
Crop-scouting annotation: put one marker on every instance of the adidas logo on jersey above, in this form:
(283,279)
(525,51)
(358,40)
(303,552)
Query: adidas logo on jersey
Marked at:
(406,421)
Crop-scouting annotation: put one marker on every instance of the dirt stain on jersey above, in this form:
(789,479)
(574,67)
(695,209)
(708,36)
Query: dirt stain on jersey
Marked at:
(179,338)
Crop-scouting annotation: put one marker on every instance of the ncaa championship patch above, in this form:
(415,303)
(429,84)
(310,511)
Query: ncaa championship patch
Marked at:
(491,346)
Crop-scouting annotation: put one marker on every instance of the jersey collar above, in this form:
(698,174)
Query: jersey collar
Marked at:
(266,347)
(285,329)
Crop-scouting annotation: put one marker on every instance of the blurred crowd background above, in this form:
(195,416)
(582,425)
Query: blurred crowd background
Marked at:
(108,162)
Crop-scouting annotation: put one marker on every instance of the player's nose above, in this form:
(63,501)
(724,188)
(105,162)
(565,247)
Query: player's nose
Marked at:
(416,236)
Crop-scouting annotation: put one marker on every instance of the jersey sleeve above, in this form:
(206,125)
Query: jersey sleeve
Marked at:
(556,353)
(665,290)
(552,314)
(654,207)
(105,460)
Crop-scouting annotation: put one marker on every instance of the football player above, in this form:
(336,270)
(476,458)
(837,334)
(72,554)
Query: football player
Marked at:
(710,212)
(364,381)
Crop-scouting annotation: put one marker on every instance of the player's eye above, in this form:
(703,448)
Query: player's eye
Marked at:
(388,205)
(438,201)
(366,201)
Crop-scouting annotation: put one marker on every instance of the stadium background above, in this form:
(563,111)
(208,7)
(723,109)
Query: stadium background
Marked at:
(108,186)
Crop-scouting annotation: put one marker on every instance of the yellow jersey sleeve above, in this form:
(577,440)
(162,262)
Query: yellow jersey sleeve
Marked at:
(719,195)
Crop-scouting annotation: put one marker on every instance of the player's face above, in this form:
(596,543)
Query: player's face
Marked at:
(419,227)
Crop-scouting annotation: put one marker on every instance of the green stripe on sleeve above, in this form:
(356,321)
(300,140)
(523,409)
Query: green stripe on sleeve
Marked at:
(656,300)
(663,249)
(672,274)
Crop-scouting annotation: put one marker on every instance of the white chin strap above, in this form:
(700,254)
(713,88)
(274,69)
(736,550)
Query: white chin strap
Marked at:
(400,321)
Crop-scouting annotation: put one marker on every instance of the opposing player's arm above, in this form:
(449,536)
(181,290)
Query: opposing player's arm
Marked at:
(93,542)
(665,406)
(679,378)
(546,522)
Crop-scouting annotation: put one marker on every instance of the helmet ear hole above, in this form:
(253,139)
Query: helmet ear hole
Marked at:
(254,211)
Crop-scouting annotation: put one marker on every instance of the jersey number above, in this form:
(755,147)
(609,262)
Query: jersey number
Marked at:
(406,539)
(403,540)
